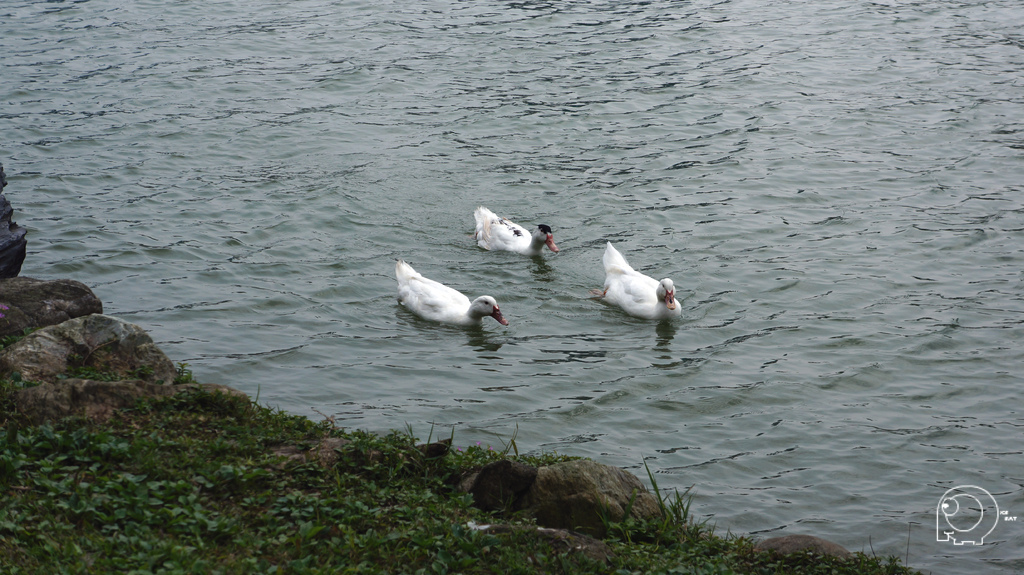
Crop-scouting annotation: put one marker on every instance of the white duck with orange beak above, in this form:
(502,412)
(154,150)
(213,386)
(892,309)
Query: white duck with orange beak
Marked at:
(497,233)
(638,295)
(438,302)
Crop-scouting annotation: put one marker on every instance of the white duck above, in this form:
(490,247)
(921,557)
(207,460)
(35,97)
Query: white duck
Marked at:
(497,233)
(438,302)
(637,294)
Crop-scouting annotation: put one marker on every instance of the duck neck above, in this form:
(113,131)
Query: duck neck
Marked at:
(537,243)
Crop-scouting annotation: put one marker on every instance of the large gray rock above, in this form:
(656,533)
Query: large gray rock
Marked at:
(574,494)
(96,400)
(39,303)
(100,342)
(803,544)
(13,244)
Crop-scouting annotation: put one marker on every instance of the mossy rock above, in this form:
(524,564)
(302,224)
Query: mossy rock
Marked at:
(94,343)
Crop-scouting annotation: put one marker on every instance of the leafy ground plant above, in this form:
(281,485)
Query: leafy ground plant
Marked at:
(193,484)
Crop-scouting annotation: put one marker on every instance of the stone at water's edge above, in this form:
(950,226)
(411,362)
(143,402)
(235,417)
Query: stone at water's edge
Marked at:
(13,245)
(96,400)
(96,341)
(499,484)
(803,543)
(35,303)
(573,494)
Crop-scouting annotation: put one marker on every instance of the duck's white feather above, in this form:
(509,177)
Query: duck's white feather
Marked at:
(437,302)
(637,294)
(497,233)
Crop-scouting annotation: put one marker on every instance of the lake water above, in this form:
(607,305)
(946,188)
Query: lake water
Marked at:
(836,187)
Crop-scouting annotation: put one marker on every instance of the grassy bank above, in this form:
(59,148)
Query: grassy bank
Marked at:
(190,484)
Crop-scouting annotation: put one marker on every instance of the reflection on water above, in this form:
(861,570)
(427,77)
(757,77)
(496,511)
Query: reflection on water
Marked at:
(666,331)
(542,270)
(481,339)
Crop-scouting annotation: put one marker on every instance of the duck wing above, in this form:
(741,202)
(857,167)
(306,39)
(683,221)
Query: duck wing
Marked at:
(428,298)
(496,233)
(634,292)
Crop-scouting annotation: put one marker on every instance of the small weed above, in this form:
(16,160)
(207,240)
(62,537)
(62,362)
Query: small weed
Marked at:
(184,375)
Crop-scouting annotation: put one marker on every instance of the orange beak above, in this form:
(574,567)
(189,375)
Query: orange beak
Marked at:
(670,300)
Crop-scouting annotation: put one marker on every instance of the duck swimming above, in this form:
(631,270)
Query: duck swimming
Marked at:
(637,294)
(437,302)
(497,233)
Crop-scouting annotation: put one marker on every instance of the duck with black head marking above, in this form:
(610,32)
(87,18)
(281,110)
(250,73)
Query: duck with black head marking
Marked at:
(497,233)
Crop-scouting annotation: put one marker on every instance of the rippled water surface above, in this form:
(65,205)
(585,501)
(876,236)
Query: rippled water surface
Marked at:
(836,187)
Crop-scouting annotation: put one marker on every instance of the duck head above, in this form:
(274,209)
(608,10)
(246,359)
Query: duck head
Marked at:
(667,293)
(543,234)
(484,306)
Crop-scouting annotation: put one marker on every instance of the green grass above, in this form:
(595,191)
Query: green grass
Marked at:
(190,484)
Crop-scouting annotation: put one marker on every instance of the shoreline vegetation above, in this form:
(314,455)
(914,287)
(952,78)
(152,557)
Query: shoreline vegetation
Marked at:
(197,483)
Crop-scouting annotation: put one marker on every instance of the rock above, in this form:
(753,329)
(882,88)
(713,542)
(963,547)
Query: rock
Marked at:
(803,543)
(561,540)
(292,454)
(498,485)
(436,449)
(574,494)
(39,303)
(13,244)
(212,388)
(565,540)
(95,399)
(96,341)
(325,453)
